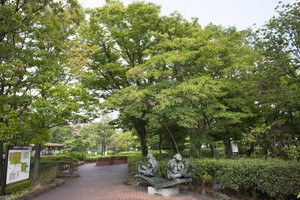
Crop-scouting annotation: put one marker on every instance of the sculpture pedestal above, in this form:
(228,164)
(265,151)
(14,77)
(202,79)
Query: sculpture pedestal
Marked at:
(167,192)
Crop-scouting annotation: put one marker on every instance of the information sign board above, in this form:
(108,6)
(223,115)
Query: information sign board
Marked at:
(18,163)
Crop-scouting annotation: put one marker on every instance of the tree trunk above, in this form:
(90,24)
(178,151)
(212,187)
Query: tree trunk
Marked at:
(160,143)
(144,148)
(1,161)
(37,161)
(103,147)
(250,151)
(140,127)
(198,149)
(213,152)
(228,148)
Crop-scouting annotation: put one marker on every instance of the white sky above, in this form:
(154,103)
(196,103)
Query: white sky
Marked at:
(239,13)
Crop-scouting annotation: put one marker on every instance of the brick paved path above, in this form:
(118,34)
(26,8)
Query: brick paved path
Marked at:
(106,182)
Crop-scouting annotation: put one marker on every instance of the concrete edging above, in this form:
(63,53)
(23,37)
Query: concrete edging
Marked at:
(213,194)
(47,188)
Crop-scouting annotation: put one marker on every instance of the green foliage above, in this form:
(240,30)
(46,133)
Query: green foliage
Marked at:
(90,159)
(96,136)
(130,153)
(76,143)
(79,156)
(110,157)
(119,157)
(58,162)
(103,158)
(35,93)
(124,140)
(278,82)
(18,187)
(110,152)
(134,162)
(48,173)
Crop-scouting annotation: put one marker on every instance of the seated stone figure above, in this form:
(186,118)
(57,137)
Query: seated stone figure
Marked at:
(176,169)
(151,169)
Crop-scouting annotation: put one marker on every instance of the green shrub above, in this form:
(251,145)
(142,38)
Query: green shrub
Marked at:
(103,158)
(58,161)
(79,156)
(130,153)
(47,175)
(18,187)
(134,161)
(110,152)
(107,158)
(118,157)
(90,160)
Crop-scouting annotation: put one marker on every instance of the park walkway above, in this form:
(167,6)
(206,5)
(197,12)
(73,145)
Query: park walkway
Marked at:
(106,182)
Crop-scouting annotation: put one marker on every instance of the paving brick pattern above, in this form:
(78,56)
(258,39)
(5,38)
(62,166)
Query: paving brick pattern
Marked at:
(107,183)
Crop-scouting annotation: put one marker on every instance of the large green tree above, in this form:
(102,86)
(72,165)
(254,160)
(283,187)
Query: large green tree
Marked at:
(34,89)
(125,38)
(278,82)
(98,134)
(201,84)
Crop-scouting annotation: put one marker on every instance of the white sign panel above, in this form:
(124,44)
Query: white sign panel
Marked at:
(18,165)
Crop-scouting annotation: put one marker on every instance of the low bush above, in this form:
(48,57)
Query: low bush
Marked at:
(274,178)
(118,157)
(17,187)
(109,153)
(130,153)
(90,159)
(103,158)
(106,158)
(79,156)
(134,161)
(277,179)
(59,161)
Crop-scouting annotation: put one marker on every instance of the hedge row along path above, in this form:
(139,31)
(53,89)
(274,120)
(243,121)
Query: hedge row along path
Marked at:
(107,182)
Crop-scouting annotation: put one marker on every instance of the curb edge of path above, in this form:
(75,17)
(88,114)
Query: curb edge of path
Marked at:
(47,188)
(208,193)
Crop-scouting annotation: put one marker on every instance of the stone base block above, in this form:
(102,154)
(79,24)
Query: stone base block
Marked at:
(167,192)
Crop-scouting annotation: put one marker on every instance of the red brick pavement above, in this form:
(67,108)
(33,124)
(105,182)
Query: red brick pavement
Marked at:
(106,183)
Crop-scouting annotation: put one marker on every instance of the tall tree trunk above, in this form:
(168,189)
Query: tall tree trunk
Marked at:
(250,151)
(228,148)
(160,143)
(213,152)
(102,147)
(198,149)
(140,127)
(172,136)
(37,161)
(1,162)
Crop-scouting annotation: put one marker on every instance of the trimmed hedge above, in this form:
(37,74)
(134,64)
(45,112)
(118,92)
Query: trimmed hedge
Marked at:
(79,156)
(103,158)
(275,178)
(90,160)
(107,158)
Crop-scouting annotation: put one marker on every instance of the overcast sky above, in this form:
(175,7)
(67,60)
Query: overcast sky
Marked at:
(239,13)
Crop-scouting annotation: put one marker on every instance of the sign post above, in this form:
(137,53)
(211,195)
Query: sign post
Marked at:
(17,165)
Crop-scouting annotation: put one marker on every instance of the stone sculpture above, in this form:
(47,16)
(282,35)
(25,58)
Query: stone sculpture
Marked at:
(176,169)
(177,172)
(151,169)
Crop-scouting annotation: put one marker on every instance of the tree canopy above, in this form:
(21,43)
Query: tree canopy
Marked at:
(172,81)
